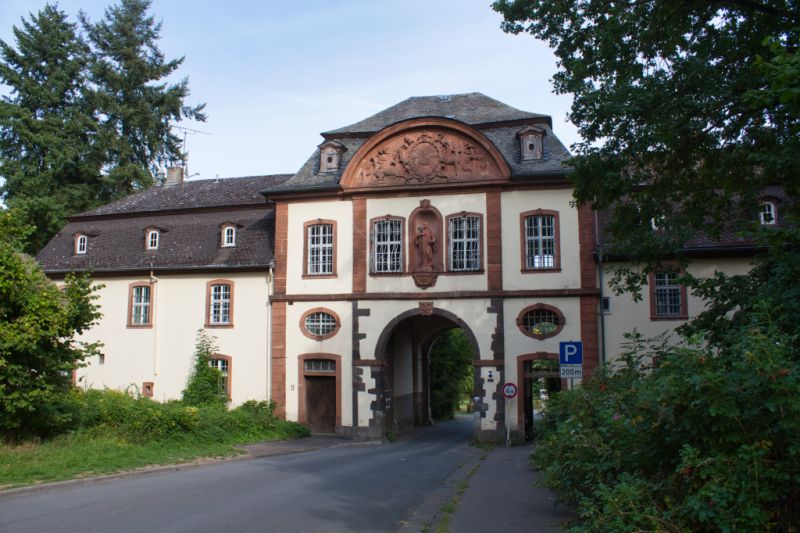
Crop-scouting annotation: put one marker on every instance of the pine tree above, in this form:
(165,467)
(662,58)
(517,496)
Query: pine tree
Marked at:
(48,154)
(136,107)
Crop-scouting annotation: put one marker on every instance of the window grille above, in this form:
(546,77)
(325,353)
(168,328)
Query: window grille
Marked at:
(230,236)
(220,304)
(766,213)
(152,240)
(320,324)
(320,249)
(82,244)
(540,242)
(320,365)
(465,235)
(140,311)
(387,250)
(667,294)
(540,321)
(222,366)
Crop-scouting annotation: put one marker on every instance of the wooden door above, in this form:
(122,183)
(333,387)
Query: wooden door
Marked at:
(321,403)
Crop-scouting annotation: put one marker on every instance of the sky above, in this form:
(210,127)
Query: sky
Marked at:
(274,75)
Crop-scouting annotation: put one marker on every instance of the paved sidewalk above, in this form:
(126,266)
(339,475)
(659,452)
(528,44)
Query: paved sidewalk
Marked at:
(502,497)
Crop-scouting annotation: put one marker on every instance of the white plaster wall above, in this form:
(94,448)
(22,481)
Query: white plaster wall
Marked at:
(447,205)
(342,213)
(298,344)
(515,202)
(164,354)
(627,314)
(403,366)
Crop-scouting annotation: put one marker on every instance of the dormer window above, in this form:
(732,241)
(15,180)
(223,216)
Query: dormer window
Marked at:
(530,141)
(768,214)
(81,244)
(228,237)
(329,156)
(151,241)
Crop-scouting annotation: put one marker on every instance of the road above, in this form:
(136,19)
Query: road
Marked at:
(369,488)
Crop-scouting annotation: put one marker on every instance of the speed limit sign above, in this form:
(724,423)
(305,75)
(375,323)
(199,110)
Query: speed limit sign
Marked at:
(509,390)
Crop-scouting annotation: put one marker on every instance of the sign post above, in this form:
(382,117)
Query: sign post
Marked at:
(509,391)
(570,360)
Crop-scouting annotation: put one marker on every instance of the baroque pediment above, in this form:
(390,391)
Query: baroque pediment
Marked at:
(424,156)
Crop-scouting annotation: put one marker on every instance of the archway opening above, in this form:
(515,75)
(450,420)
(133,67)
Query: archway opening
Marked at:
(408,346)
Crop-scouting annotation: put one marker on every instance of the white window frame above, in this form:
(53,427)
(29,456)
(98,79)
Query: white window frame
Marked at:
(223,364)
(219,312)
(228,236)
(152,240)
(81,244)
(667,294)
(768,209)
(320,324)
(319,249)
(464,243)
(387,246)
(141,300)
(541,238)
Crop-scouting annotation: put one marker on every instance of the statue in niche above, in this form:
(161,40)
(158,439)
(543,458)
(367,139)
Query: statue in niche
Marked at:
(426,247)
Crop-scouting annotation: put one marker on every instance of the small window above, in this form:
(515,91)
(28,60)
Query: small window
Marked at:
(147,389)
(228,236)
(464,238)
(767,214)
(387,245)
(540,241)
(606,304)
(540,321)
(320,365)
(152,240)
(667,296)
(81,244)
(223,364)
(319,323)
(220,303)
(320,248)
(140,307)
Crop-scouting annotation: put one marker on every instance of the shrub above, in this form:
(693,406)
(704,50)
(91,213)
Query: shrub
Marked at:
(205,386)
(704,441)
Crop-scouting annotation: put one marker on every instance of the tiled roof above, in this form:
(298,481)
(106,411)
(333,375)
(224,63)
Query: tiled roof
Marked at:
(187,241)
(470,108)
(193,194)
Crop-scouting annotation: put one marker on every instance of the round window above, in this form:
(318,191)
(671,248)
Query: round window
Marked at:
(540,321)
(320,324)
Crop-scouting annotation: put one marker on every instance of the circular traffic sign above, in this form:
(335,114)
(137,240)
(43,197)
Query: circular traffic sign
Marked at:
(509,390)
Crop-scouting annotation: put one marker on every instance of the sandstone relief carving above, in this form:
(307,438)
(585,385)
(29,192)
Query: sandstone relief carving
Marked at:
(425,230)
(426,156)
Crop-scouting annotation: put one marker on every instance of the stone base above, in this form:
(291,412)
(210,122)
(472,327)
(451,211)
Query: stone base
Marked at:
(359,433)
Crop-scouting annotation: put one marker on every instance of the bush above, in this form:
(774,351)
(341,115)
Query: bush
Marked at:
(705,441)
(205,387)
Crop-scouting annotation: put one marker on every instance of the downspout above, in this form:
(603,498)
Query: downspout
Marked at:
(270,278)
(599,257)
(154,304)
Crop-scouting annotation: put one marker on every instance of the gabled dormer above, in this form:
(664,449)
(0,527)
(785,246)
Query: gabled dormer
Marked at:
(329,155)
(531,143)
(81,246)
(227,235)
(152,237)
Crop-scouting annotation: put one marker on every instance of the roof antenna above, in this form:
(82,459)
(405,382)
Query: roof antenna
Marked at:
(184,153)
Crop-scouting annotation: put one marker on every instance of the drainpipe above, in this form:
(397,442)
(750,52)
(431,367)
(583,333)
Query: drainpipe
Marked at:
(599,256)
(153,304)
(270,278)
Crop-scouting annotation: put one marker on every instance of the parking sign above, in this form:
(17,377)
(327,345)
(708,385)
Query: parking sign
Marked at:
(570,353)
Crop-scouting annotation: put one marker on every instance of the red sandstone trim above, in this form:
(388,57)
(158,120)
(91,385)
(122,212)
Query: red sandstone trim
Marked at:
(494,241)
(306,225)
(651,279)
(481,237)
(521,359)
(523,249)
(149,323)
(229,378)
(147,389)
(301,383)
(209,286)
(535,307)
(319,310)
(404,260)
(279,358)
(281,246)
(360,238)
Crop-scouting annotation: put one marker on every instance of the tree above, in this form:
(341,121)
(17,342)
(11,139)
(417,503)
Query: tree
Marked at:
(205,386)
(451,372)
(688,110)
(48,154)
(38,350)
(136,107)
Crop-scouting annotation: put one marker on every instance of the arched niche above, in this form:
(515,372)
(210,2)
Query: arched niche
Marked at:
(426,250)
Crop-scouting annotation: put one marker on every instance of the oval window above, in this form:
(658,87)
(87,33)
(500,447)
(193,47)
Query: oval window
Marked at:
(540,321)
(320,324)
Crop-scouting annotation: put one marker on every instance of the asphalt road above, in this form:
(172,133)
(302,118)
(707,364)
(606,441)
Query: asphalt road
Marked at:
(369,488)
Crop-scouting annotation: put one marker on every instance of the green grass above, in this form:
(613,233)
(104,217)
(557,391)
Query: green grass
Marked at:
(448,508)
(114,432)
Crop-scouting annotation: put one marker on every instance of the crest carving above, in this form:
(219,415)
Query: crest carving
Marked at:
(426,156)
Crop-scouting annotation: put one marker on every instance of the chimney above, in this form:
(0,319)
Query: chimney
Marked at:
(174,176)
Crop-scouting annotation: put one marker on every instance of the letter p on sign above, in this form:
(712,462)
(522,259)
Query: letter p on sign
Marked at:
(570,353)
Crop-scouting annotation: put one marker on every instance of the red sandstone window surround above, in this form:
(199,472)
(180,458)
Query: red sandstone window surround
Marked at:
(540,241)
(387,245)
(147,389)
(319,323)
(140,304)
(465,242)
(219,303)
(223,363)
(319,249)
(540,321)
(668,298)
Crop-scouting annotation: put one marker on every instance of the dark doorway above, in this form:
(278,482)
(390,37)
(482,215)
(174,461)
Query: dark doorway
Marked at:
(321,403)
(540,381)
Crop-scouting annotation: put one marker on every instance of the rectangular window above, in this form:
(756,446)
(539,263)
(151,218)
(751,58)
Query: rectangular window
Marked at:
(140,305)
(387,246)
(465,243)
(223,365)
(220,312)
(319,255)
(667,293)
(540,242)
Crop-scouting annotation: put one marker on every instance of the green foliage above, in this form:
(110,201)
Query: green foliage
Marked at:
(688,111)
(84,124)
(705,441)
(205,386)
(38,351)
(451,372)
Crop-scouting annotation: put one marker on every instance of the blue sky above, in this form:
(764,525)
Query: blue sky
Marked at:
(276,74)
